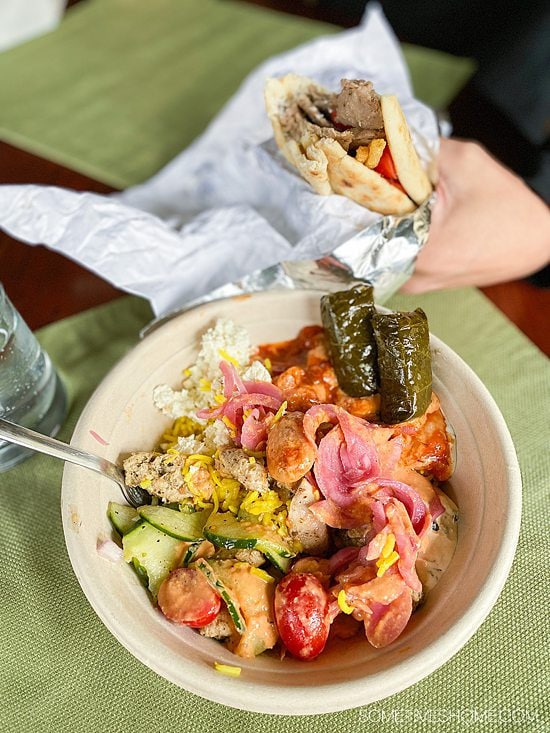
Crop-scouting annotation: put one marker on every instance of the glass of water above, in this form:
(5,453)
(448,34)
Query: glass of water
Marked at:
(31,393)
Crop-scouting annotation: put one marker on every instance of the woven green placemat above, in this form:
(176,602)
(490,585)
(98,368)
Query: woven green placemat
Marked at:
(61,670)
(124,85)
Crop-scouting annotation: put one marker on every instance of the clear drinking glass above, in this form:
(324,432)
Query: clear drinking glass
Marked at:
(31,392)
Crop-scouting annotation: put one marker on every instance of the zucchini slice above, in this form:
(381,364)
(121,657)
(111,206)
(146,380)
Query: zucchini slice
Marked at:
(225,530)
(212,572)
(346,317)
(152,552)
(122,516)
(181,525)
(195,550)
(405,364)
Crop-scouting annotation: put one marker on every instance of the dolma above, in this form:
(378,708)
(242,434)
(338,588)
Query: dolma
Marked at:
(346,317)
(404,364)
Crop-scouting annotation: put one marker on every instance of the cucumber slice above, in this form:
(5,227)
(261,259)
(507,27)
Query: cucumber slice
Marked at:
(212,572)
(152,552)
(123,517)
(204,547)
(225,530)
(281,563)
(181,525)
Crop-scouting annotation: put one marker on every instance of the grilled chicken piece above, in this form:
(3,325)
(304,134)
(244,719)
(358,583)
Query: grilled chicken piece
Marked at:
(234,463)
(303,525)
(163,471)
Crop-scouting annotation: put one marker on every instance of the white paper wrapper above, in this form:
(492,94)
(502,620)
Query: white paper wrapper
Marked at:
(229,206)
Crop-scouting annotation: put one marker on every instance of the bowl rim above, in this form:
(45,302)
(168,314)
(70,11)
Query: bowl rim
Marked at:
(335,696)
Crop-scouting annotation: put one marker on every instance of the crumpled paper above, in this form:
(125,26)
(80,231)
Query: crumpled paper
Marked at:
(21,21)
(229,206)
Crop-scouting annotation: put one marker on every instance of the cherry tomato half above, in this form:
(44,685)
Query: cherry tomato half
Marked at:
(301,614)
(386,166)
(186,598)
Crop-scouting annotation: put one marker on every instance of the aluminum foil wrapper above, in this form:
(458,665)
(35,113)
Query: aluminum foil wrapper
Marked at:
(229,215)
(383,255)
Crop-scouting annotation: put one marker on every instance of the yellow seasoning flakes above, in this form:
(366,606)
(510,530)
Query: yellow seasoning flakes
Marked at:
(227,669)
(224,355)
(259,573)
(383,563)
(227,422)
(199,458)
(182,427)
(215,501)
(343,604)
(388,546)
(254,453)
(280,412)
(145,483)
(215,476)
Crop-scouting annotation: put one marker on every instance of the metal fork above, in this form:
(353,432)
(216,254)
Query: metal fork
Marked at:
(27,438)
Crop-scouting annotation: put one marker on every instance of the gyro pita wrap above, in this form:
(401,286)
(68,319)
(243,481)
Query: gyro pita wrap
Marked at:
(354,143)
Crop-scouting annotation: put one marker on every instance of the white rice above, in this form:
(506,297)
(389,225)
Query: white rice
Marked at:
(203,380)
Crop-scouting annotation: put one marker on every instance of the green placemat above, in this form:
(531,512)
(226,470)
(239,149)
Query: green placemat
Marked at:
(124,85)
(62,671)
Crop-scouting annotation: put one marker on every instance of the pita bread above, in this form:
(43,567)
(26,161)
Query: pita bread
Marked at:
(298,148)
(409,171)
(350,178)
(325,164)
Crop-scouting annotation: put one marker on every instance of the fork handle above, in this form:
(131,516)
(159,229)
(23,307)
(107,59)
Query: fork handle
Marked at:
(28,438)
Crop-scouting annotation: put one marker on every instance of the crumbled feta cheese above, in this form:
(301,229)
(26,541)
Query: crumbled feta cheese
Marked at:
(256,372)
(225,339)
(203,380)
(216,435)
(190,445)
(172,403)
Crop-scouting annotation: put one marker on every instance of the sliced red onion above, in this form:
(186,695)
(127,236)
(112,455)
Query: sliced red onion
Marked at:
(342,558)
(387,622)
(231,381)
(346,456)
(253,431)
(264,388)
(410,498)
(378,516)
(436,507)
(109,550)
(237,402)
(333,610)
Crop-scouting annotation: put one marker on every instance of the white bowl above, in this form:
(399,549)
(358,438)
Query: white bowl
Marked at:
(486,486)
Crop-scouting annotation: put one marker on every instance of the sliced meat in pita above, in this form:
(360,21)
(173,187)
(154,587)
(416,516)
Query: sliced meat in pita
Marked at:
(350,178)
(323,148)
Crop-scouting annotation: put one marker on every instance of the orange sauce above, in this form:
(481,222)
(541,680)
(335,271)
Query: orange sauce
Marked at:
(301,368)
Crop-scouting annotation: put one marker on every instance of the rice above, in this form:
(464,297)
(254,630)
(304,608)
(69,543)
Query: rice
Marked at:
(202,381)
(200,440)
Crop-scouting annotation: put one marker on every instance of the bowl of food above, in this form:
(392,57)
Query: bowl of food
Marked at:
(324,546)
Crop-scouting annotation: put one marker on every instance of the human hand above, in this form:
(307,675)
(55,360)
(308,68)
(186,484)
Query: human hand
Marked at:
(487,225)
